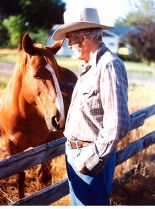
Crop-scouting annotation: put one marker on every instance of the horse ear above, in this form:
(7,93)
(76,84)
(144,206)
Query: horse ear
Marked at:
(27,45)
(56,46)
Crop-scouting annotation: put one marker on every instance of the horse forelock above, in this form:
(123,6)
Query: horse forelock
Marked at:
(48,61)
(48,57)
(42,50)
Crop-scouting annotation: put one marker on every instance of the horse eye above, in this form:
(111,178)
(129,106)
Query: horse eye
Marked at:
(37,77)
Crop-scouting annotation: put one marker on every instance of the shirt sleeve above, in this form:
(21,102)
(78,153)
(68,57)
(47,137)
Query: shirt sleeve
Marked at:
(114,97)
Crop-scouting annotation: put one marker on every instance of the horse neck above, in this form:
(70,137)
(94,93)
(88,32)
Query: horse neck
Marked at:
(13,88)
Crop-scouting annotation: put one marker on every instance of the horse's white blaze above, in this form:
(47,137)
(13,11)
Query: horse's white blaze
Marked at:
(59,100)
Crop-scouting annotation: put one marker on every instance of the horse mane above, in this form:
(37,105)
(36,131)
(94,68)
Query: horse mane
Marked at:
(20,68)
(15,77)
(33,109)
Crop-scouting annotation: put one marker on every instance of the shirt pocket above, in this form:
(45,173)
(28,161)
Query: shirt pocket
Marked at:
(89,92)
(89,97)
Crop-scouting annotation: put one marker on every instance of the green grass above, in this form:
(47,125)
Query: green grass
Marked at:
(133,68)
(140,69)
(69,62)
(4,78)
(10,59)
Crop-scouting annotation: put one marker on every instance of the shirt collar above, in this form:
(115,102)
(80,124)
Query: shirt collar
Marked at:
(96,56)
(94,59)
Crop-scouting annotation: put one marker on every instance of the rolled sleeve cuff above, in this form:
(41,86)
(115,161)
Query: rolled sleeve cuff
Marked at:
(94,164)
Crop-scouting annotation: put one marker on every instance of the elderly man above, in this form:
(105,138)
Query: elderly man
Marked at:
(98,115)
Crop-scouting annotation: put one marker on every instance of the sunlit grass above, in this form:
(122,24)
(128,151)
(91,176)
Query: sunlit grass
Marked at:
(140,69)
(8,56)
(4,78)
(140,96)
(10,59)
(6,51)
(133,68)
(70,63)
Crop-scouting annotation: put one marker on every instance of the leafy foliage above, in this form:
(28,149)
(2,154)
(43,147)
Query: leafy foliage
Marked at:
(37,16)
(14,27)
(40,36)
(142,38)
(42,13)
(4,37)
(143,41)
(142,12)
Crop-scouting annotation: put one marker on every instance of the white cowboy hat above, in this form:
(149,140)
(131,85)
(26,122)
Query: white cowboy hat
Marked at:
(87,18)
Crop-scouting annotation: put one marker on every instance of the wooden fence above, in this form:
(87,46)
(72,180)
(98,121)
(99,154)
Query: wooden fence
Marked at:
(42,153)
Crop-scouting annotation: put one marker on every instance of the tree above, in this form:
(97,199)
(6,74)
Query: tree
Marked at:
(42,13)
(14,26)
(19,16)
(142,11)
(143,41)
(4,37)
(142,37)
(9,8)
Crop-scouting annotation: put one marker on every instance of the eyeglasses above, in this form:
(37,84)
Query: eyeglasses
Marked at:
(73,37)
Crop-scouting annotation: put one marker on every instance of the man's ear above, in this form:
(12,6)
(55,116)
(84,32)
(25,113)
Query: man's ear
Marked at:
(82,39)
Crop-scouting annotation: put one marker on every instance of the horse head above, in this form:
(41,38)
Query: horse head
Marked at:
(40,82)
(32,106)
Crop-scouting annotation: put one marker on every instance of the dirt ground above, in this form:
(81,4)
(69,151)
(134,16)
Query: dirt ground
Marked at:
(138,188)
(135,189)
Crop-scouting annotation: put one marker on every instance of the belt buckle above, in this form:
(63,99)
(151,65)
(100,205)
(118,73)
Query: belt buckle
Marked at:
(72,145)
(69,144)
(77,146)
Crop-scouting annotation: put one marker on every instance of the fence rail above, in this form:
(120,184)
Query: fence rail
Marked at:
(42,153)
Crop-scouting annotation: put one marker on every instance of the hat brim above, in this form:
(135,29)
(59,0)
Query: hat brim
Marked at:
(60,33)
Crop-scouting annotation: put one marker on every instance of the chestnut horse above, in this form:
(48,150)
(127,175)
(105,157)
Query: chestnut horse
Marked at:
(33,107)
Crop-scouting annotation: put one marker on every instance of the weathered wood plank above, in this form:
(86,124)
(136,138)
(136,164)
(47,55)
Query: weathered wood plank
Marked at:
(30,158)
(50,150)
(59,190)
(137,118)
(44,152)
(135,147)
(46,196)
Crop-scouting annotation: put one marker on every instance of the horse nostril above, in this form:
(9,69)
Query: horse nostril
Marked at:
(54,123)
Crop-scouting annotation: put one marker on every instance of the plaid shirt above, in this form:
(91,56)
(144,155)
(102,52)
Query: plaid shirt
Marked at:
(98,111)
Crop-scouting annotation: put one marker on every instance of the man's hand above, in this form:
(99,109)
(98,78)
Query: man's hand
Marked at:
(80,167)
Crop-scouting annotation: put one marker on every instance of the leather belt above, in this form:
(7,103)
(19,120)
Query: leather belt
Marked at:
(78,144)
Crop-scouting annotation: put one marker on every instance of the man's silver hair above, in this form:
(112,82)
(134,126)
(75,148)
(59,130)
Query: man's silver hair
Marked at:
(92,33)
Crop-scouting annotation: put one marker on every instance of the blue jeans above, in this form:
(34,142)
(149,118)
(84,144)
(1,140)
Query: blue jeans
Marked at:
(89,189)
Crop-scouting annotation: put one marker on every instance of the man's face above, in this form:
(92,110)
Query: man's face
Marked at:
(79,44)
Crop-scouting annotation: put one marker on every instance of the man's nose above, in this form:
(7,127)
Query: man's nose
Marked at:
(70,43)
(69,46)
